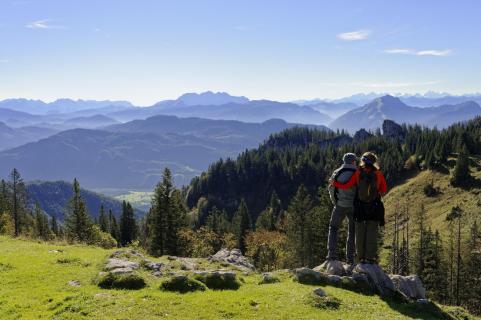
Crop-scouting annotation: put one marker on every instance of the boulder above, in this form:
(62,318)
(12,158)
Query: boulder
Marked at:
(152,266)
(392,130)
(268,277)
(411,286)
(333,267)
(114,263)
(319,292)
(334,280)
(309,276)
(233,257)
(131,281)
(218,279)
(377,278)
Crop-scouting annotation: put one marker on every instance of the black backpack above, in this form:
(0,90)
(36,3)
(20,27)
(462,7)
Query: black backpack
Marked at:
(368,204)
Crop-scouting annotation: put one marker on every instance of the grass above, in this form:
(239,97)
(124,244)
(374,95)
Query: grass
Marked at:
(34,285)
(410,194)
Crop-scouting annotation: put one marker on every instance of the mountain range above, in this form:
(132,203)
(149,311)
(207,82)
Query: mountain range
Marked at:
(371,115)
(132,156)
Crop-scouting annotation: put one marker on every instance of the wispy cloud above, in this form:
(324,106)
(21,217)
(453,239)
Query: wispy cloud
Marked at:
(354,35)
(43,24)
(436,53)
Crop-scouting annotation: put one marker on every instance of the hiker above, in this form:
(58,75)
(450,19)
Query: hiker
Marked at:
(343,200)
(368,206)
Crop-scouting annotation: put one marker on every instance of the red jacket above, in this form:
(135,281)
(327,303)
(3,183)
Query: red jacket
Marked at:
(381,182)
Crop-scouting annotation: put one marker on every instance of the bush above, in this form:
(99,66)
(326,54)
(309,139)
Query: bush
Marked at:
(129,281)
(268,249)
(218,280)
(430,190)
(182,284)
(102,239)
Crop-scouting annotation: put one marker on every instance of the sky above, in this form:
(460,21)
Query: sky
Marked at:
(145,51)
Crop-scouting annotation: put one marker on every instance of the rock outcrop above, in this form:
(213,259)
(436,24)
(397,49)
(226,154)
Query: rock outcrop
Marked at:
(118,266)
(393,130)
(361,135)
(233,257)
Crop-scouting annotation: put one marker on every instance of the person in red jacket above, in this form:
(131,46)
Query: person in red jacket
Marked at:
(368,206)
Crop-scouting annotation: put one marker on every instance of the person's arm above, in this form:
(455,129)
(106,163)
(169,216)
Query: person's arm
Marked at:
(349,184)
(381,183)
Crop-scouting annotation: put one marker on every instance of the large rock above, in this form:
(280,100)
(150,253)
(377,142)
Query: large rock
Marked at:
(378,279)
(411,286)
(332,267)
(233,257)
(393,130)
(268,277)
(123,266)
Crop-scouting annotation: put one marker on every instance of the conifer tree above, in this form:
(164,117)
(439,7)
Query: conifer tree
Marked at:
(128,228)
(218,222)
(78,223)
(54,226)
(461,174)
(242,225)
(114,227)
(19,197)
(103,220)
(166,217)
(297,225)
(42,229)
(455,216)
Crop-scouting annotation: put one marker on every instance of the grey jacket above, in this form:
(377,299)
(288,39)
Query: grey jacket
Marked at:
(345,197)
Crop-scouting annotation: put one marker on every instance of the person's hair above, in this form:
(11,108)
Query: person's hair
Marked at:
(369,160)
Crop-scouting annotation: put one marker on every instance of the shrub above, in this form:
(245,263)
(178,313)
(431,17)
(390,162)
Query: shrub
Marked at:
(430,190)
(182,284)
(268,249)
(102,239)
(130,281)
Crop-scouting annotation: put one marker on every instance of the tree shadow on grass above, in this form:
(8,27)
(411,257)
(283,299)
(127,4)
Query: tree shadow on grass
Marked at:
(415,310)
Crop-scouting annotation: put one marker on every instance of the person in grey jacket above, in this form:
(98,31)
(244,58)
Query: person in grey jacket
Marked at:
(343,201)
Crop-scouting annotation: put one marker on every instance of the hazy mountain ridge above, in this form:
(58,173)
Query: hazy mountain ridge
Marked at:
(132,156)
(371,115)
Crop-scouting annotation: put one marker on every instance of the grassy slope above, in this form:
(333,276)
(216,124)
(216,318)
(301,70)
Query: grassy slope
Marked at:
(33,285)
(411,194)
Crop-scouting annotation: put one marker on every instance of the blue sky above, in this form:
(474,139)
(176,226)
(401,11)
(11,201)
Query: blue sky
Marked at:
(146,51)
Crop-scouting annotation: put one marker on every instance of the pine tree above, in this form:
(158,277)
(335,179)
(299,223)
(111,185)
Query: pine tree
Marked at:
(297,225)
(114,227)
(42,229)
(461,174)
(128,227)
(78,223)
(218,222)
(103,220)
(54,226)
(19,197)
(176,219)
(455,215)
(242,225)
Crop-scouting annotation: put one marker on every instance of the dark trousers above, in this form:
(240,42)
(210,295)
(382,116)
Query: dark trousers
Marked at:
(337,216)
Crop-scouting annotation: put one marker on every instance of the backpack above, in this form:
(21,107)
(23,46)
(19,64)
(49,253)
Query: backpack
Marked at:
(338,173)
(367,186)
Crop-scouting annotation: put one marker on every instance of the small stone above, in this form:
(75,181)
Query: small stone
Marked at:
(157,274)
(233,257)
(74,283)
(122,270)
(102,295)
(319,292)
(55,251)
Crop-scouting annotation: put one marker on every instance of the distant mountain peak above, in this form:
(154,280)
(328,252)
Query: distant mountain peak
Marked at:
(210,98)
